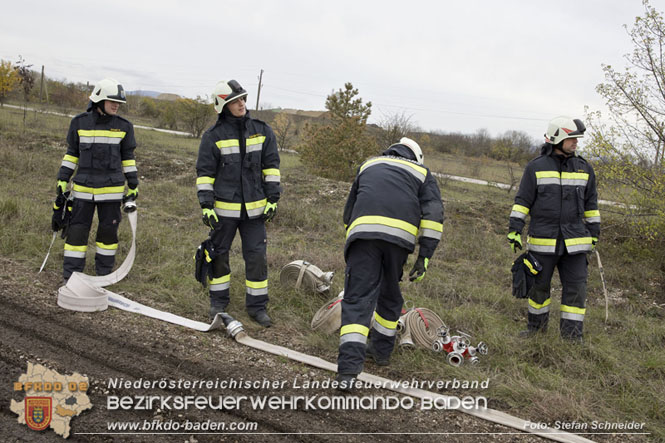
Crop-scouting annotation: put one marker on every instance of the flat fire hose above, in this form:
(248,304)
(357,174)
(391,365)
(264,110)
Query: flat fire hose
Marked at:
(87,294)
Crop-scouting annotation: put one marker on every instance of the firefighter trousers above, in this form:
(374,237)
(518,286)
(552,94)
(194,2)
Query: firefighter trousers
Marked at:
(573,276)
(76,244)
(373,273)
(253,237)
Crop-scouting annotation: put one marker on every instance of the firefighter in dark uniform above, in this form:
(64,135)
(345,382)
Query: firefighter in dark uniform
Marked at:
(238,186)
(100,149)
(394,201)
(558,192)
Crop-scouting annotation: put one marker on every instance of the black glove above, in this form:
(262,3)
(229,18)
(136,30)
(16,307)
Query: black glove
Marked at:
(419,268)
(59,206)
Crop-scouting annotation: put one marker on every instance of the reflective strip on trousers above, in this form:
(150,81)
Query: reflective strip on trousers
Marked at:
(572,313)
(104,249)
(571,316)
(542,308)
(383,330)
(220,283)
(257,287)
(353,337)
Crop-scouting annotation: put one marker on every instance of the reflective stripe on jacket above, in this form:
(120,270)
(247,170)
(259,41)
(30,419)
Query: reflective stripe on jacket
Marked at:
(396,200)
(100,156)
(229,181)
(560,196)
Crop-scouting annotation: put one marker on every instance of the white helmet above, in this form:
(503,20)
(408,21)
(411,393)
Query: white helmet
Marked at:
(561,128)
(108,89)
(413,146)
(225,92)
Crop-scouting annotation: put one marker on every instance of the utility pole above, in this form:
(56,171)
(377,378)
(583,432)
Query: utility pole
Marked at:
(41,87)
(258,94)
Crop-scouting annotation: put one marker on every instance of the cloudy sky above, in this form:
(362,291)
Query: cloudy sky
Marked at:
(449,66)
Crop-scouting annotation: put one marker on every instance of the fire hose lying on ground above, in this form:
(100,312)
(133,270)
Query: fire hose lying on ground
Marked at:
(418,327)
(87,294)
(300,273)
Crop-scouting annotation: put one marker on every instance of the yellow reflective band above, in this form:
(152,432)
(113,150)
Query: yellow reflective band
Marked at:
(223,279)
(98,191)
(573,309)
(385,323)
(420,169)
(271,172)
(575,175)
(255,140)
(256,204)
(230,143)
(387,221)
(105,246)
(69,247)
(129,163)
(593,213)
(359,329)
(205,180)
(543,241)
(429,224)
(71,158)
(100,133)
(520,208)
(208,259)
(535,305)
(578,241)
(55,207)
(530,266)
(256,284)
(547,174)
(229,206)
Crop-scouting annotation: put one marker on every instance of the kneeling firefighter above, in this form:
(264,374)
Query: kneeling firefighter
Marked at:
(100,149)
(238,186)
(393,200)
(558,192)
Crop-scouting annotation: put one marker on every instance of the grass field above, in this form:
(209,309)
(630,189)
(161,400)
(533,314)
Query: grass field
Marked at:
(617,375)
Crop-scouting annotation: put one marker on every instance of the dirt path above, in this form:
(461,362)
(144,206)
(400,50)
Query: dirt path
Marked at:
(113,344)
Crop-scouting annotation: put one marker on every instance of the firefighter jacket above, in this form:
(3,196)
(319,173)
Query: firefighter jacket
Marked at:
(100,148)
(559,194)
(238,167)
(397,200)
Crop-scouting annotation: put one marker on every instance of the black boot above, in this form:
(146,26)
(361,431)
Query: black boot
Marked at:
(261,317)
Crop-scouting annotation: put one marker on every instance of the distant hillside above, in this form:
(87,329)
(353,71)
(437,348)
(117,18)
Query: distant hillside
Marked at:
(155,94)
(143,93)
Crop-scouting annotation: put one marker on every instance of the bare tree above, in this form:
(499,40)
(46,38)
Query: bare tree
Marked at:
(395,126)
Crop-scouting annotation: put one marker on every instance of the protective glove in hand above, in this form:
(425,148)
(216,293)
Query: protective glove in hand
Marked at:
(57,221)
(419,268)
(210,218)
(129,198)
(61,187)
(270,211)
(515,241)
(594,240)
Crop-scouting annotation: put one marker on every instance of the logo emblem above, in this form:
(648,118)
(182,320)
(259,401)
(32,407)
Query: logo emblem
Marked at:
(38,412)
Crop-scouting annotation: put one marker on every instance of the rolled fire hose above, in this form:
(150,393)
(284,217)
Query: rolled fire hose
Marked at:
(328,318)
(418,328)
(302,274)
(86,293)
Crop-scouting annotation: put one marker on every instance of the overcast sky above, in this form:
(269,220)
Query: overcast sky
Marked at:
(449,66)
